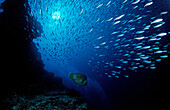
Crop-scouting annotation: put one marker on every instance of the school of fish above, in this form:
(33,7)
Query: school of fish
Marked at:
(109,36)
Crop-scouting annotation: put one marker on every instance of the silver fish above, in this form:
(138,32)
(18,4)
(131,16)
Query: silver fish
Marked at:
(137,1)
(148,4)
(157,21)
(119,17)
(99,5)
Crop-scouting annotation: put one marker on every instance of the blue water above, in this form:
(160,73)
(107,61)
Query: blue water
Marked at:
(99,38)
(1,1)
(107,40)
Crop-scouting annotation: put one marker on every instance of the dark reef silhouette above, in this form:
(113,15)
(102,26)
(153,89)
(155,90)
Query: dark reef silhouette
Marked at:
(23,75)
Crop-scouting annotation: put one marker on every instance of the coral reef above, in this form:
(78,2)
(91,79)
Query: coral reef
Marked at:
(48,101)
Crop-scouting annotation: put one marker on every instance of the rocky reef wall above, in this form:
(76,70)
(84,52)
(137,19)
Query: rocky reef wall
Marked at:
(22,72)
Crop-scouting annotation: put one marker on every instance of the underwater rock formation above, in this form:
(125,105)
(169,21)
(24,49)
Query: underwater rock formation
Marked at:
(79,78)
(48,93)
(48,101)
